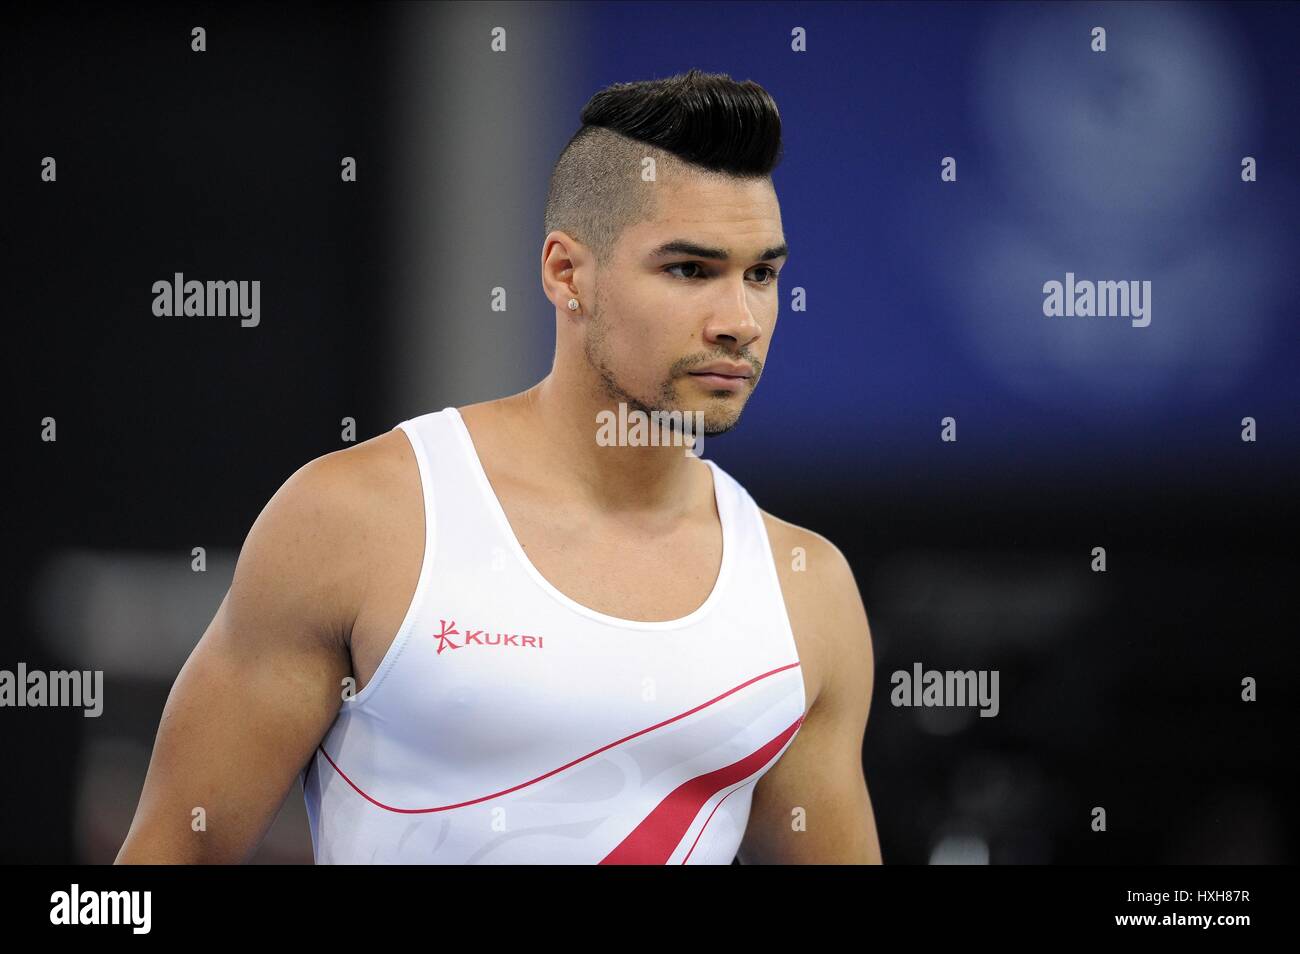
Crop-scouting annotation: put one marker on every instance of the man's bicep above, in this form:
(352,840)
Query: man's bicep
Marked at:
(813,806)
(255,696)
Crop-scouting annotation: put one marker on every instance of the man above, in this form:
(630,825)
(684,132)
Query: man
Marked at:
(495,635)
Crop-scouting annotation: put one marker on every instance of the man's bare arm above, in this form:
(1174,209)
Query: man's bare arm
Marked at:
(263,684)
(813,807)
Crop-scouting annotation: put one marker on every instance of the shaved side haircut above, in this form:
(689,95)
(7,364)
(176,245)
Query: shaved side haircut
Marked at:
(704,123)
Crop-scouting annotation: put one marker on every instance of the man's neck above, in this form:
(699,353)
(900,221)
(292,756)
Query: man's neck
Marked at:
(554,429)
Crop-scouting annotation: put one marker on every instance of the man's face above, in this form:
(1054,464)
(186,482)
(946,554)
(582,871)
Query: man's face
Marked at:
(663,314)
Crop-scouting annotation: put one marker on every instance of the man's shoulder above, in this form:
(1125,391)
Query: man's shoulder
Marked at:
(359,471)
(307,556)
(805,551)
(821,597)
(330,503)
(362,470)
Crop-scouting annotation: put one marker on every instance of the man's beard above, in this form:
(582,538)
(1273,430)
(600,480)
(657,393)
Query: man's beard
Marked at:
(662,402)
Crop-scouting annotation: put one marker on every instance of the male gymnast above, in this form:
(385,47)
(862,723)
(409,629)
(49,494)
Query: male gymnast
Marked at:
(493,635)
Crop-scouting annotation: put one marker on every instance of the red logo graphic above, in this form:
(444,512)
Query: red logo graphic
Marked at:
(443,641)
(478,637)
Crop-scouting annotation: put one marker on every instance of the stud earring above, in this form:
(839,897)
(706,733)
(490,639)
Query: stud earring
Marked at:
(573,304)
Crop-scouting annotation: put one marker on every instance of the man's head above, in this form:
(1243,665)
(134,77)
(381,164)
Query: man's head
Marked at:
(663,223)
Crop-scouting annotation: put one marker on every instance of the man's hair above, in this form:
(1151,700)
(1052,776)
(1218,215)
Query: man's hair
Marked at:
(705,123)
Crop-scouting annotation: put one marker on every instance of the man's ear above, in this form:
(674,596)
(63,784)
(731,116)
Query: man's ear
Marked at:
(562,266)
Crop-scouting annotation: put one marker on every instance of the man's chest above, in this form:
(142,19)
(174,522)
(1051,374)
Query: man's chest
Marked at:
(617,574)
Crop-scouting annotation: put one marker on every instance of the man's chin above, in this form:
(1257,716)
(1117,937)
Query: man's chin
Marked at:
(706,421)
(719,414)
(716,420)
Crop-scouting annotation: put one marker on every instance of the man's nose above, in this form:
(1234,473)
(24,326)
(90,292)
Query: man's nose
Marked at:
(734,321)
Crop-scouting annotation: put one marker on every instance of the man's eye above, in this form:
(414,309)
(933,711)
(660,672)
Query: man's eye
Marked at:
(771,272)
(684,265)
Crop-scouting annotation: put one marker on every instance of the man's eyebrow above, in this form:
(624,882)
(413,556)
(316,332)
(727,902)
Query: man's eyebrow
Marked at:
(687,247)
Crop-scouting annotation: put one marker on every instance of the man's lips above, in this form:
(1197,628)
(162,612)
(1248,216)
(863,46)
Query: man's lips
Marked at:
(725,371)
(718,381)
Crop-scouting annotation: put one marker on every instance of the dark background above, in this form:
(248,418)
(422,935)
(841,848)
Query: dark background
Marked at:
(1118,689)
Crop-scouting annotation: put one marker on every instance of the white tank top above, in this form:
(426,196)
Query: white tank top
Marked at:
(510,724)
